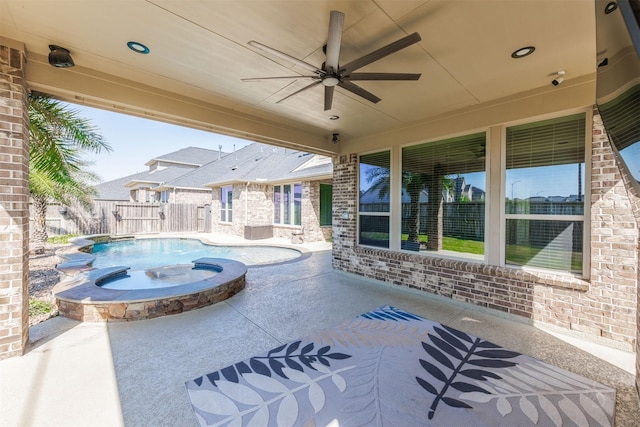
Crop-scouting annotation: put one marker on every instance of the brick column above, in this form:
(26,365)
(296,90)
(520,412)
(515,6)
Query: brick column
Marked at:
(345,199)
(14,204)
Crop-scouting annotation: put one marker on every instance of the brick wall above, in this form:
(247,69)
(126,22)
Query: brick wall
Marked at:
(14,202)
(618,244)
(201,197)
(253,205)
(604,306)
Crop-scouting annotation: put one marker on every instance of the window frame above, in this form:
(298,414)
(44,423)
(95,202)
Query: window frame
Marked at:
(293,217)
(495,213)
(227,211)
(392,196)
(585,217)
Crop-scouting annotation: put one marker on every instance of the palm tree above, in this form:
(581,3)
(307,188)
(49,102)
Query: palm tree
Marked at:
(414,183)
(58,137)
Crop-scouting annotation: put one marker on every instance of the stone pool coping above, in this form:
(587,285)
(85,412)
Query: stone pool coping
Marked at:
(80,298)
(78,256)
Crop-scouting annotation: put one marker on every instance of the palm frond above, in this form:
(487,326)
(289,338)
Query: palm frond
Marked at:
(58,139)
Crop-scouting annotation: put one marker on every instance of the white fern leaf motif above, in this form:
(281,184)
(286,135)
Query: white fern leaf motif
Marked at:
(549,408)
(288,411)
(316,397)
(240,393)
(259,419)
(338,380)
(215,404)
(504,407)
(529,409)
(573,412)
(572,393)
(593,410)
(262,382)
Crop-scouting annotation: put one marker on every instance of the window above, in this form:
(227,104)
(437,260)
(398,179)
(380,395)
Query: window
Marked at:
(443,195)
(226,204)
(326,201)
(373,207)
(438,200)
(163,196)
(544,194)
(287,204)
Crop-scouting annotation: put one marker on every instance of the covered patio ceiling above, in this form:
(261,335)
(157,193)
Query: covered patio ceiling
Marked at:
(199,53)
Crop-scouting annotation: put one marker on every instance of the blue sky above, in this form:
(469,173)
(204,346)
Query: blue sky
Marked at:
(135,141)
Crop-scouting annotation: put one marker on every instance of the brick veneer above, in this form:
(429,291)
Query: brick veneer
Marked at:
(181,195)
(624,239)
(604,306)
(253,205)
(14,202)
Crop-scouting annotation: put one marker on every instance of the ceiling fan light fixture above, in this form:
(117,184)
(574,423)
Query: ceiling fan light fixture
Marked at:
(523,51)
(330,81)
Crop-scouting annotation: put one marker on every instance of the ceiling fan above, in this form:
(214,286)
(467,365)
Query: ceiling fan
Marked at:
(331,74)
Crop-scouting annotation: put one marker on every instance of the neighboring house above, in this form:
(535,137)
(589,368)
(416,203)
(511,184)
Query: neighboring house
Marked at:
(141,187)
(279,190)
(257,191)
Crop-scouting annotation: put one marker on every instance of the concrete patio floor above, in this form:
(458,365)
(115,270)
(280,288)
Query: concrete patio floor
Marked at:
(133,374)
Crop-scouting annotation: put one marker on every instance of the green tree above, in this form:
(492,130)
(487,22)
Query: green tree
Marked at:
(58,137)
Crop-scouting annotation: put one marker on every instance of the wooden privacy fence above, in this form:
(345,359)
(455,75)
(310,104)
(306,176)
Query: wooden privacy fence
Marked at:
(109,217)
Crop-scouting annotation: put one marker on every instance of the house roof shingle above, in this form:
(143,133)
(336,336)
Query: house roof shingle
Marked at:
(256,162)
(194,156)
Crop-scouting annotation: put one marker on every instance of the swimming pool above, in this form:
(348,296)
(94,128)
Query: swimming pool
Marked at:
(149,253)
(135,279)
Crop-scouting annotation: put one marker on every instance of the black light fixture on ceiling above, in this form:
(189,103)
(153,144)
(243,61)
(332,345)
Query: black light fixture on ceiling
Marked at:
(336,138)
(523,51)
(60,57)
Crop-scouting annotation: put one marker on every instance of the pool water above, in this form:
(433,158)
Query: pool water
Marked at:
(160,277)
(148,253)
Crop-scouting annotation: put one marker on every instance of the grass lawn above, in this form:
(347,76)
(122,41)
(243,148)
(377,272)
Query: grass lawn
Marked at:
(517,255)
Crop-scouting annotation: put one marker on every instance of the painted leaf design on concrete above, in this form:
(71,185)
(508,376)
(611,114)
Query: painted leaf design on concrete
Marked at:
(253,398)
(390,313)
(344,373)
(365,333)
(277,361)
(450,352)
(533,389)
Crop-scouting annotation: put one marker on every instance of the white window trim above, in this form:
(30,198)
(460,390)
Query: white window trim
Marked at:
(291,204)
(585,218)
(495,215)
(226,210)
(392,198)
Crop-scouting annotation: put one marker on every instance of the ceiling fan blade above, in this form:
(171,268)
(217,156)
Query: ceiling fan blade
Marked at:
(284,56)
(257,79)
(328,97)
(334,40)
(382,52)
(354,88)
(298,91)
(383,76)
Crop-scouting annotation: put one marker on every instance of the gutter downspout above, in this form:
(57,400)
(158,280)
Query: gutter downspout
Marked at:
(246,203)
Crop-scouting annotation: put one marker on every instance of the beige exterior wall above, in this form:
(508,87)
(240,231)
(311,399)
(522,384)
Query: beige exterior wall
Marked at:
(253,205)
(603,306)
(14,203)
(199,197)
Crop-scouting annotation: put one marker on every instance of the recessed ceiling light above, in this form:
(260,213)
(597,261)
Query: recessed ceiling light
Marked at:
(334,117)
(610,7)
(138,47)
(523,51)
